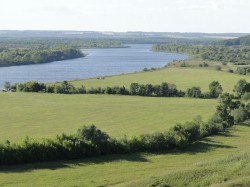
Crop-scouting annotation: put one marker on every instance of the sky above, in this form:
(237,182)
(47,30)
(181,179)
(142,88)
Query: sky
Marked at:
(216,16)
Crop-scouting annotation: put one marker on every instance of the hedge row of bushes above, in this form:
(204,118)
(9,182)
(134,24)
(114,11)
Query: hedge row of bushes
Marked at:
(90,141)
(162,90)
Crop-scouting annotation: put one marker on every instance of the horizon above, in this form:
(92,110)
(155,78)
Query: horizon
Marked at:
(135,31)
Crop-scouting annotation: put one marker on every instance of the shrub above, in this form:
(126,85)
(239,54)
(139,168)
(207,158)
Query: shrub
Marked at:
(218,68)
(194,92)
(82,90)
(31,86)
(98,90)
(50,89)
(211,128)
(215,89)
(240,114)
(246,96)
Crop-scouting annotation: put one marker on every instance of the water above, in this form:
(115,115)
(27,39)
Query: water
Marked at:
(99,62)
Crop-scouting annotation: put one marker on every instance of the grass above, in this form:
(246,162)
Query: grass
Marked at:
(45,115)
(183,77)
(220,160)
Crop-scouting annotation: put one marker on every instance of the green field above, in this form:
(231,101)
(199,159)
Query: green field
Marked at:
(222,160)
(217,159)
(45,115)
(183,77)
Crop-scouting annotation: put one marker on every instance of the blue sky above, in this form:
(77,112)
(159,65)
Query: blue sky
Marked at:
(126,15)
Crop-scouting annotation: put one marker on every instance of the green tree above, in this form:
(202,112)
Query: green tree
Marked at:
(194,92)
(65,87)
(241,87)
(134,88)
(164,91)
(7,85)
(92,134)
(215,89)
(226,105)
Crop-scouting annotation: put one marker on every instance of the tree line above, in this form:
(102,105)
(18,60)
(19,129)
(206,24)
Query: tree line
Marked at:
(245,40)
(239,55)
(45,42)
(22,56)
(160,90)
(89,141)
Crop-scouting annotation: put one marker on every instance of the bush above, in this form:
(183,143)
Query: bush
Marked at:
(240,114)
(31,86)
(218,68)
(194,92)
(215,89)
(211,128)
(98,90)
(246,96)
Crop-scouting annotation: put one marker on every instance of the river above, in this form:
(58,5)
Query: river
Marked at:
(99,62)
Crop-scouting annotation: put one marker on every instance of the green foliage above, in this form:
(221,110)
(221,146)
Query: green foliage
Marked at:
(215,89)
(212,127)
(244,41)
(241,87)
(226,105)
(246,96)
(31,86)
(22,56)
(92,134)
(240,114)
(236,54)
(194,92)
(150,90)
(217,68)
(243,70)
(65,88)
(7,85)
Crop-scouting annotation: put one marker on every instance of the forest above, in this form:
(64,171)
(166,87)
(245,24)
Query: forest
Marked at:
(22,51)
(22,56)
(239,55)
(245,40)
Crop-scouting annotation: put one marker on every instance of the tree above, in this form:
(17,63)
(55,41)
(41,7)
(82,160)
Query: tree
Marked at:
(7,85)
(157,90)
(92,134)
(134,88)
(226,105)
(65,87)
(149,89)
(194,92)
(164,91)
(172,90)
(215,89)
(241,87)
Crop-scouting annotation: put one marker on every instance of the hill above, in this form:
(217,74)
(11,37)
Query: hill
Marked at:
(245,41)
(184,78)
(221,160)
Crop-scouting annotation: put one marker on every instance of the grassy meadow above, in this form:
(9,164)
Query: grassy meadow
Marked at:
(45,115)
(222,160)
(183,78)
